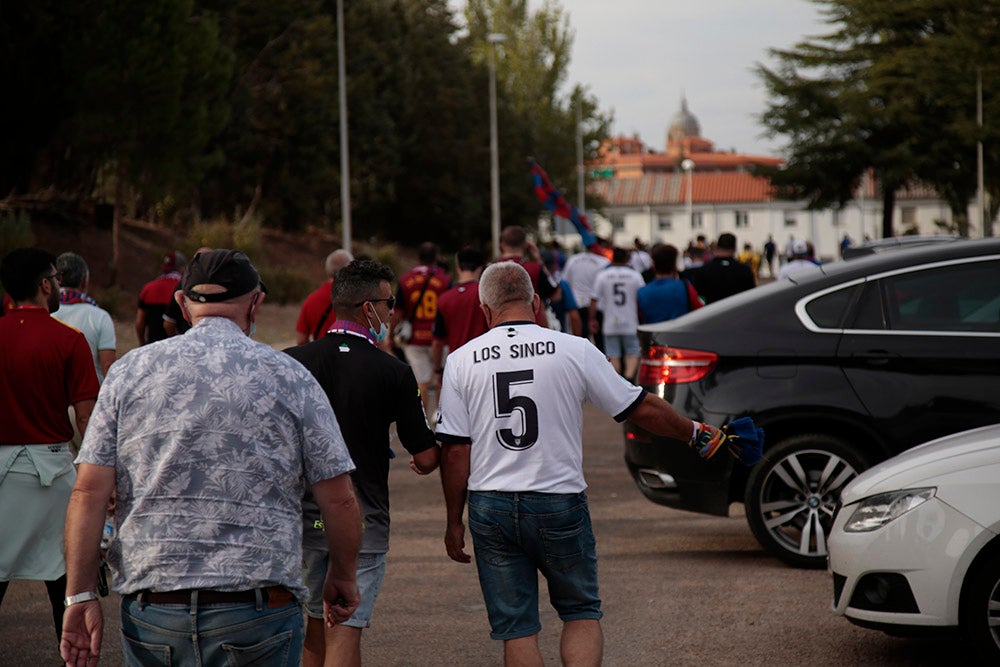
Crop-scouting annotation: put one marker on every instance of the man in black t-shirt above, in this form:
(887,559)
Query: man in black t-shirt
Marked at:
(369,390)
(722,276)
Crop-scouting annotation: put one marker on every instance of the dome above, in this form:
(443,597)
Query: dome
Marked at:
(683,124)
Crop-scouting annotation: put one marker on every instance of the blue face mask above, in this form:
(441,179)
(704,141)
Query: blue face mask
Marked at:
(383,329)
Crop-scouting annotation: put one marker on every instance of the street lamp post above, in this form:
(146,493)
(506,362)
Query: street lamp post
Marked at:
(494,39)
(688,166)
(345,167)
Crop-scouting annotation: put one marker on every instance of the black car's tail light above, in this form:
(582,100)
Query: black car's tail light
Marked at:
(674,365)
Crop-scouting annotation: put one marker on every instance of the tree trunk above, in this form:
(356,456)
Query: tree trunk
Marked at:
(888,208)
(116,223)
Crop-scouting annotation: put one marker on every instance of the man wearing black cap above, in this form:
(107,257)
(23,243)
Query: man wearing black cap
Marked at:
(722,276)
(209,440)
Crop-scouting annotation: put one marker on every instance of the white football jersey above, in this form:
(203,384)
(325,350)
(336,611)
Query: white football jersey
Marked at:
(580,272)
(615,289)
(517,394)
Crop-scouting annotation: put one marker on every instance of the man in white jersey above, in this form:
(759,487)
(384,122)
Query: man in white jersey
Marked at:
(511,422)
(615,294)
(580,272)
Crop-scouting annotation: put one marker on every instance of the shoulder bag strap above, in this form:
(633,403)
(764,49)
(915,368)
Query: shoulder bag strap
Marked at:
(423,290)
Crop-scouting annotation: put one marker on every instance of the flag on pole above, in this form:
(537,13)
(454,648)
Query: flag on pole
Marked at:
(555,202)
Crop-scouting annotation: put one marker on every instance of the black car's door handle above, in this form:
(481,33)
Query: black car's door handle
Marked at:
(875,357)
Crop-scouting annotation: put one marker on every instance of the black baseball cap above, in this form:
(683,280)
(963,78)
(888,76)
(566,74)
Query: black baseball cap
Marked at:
(219,275)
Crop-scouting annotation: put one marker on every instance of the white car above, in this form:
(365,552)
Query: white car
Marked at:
(915,546)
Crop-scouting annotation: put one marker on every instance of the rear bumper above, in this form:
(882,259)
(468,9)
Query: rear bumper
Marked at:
(669,473)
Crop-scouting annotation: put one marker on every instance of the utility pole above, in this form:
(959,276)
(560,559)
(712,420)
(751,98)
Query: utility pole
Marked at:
(345,167)
(494,39)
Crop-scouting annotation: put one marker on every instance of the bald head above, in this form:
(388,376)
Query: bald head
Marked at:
(337,260)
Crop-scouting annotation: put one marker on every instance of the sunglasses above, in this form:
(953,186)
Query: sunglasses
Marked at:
(391,302)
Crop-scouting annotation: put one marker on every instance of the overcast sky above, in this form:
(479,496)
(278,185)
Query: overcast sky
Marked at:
(640,56)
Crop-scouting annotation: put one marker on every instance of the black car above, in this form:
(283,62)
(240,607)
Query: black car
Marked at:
(843,366)
(893,243)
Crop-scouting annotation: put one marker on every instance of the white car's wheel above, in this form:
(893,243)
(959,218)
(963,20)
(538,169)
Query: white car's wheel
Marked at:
(980,613)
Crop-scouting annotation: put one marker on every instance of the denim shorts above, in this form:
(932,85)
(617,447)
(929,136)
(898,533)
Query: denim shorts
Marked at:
(517,535)
(618,346)
(420,361)
(228,633)
(371,572)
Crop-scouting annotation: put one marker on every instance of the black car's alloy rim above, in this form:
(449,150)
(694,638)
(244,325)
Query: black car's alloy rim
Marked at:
(799,497)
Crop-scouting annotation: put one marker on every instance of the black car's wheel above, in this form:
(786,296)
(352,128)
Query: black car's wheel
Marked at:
(980,611)
(792,494)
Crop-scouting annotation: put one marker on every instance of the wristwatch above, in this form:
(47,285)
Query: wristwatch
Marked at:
(85,596)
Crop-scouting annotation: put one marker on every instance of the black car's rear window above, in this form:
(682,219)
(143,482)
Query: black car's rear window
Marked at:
(829,310)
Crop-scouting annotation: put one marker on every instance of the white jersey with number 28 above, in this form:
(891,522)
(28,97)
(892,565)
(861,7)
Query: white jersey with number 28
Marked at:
(517,394)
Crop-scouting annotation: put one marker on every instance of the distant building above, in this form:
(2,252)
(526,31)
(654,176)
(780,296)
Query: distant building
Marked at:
(647,196)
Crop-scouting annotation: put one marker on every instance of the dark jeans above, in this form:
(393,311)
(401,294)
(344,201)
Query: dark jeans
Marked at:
(211,634)
(518,535)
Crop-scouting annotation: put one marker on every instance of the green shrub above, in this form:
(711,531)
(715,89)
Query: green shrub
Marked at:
(388,254)
(15,231)
(284,285)
(214,234)
(246,235)
(111,299)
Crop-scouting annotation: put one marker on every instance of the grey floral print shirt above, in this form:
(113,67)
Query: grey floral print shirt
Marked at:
(213,438)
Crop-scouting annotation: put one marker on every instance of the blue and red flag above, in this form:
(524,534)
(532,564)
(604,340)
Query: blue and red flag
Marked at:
(555,202)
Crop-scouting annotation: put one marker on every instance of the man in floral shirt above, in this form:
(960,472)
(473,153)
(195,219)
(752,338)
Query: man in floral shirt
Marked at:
(209,440)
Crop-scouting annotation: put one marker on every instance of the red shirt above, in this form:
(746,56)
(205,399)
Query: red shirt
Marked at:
(8,305)
(153,299)
(459,317)
(421,315)
(46,366)
(313,308)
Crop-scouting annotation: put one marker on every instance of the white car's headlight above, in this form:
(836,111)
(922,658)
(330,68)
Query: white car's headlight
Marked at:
(874,512)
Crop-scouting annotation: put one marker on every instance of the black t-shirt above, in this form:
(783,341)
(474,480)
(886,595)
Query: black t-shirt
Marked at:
(369,390)
(721,277)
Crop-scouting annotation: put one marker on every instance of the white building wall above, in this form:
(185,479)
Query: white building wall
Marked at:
(782,220)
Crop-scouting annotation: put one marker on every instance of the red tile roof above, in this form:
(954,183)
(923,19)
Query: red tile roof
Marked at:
(671,188)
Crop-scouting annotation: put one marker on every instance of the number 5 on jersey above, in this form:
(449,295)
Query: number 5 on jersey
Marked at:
(506,405)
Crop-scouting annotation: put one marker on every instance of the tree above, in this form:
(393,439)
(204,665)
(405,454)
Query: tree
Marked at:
(535,117)
(868,96)
(149,86)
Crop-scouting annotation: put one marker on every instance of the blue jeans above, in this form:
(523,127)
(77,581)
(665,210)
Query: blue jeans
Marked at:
(370,574)
(210,634)
(517,535)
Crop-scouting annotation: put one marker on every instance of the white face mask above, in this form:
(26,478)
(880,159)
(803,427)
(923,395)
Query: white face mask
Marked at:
(383,329)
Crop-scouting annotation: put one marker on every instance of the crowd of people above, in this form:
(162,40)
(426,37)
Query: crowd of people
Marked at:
(247,489)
